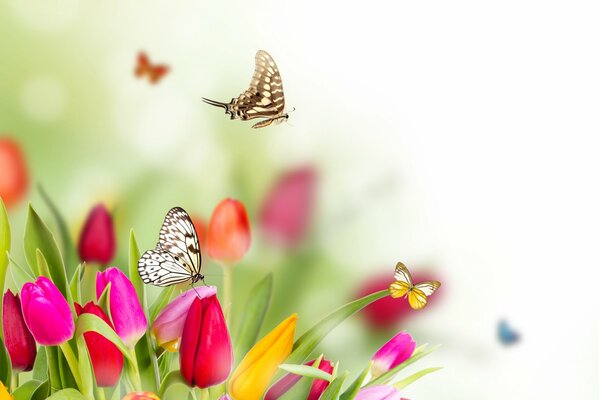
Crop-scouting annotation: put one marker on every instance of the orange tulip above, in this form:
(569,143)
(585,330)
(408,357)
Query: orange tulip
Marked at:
(13,178)
(229,234)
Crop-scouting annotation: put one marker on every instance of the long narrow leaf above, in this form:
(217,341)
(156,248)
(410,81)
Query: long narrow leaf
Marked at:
(414,377)
(354,388)
(93,323)
(333,390)
(307,371)
(133,272)
(163,299)
(387,376)
(172,379)
(5,366)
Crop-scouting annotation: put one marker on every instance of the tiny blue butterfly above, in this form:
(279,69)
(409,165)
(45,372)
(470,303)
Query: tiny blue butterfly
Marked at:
(507,336)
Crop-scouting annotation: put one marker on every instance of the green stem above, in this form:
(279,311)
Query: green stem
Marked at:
(14,381)
(88,282)
(228,292)
(100,394)
(204,394)
(133,372)
(73,363)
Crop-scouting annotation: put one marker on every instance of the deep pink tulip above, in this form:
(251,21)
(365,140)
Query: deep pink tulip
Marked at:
(130,323)
(18,340)
(107,360)
(168,325)
(287,210)
(46,312)
(206,355)
(97,240)
(288,381)
(379,393)
(394,352)
(229,235)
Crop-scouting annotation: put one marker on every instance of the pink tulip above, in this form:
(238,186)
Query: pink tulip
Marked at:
(18,340)
(288,381)
(129,320)
(394,352)
(97,240)
(46,312)
(286,212)
(168,325)
(379,393)
(206,355)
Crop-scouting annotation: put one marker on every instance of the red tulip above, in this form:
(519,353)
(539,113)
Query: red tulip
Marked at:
(229,234)
(288,207)
(288,381)
(97,240)
(206,355)
(13,178)
(18,340)
(389,312)
(107,360)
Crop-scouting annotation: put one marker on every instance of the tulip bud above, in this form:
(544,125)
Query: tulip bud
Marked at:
(46,312)
(380,392)
(141,396)
(286,212)
(18,340)
(130,323)
(106,358)
(229,232)
(206,354)
(288,381)
(97,240)
(168,325)
(394,352)
(251,378)
(13,179)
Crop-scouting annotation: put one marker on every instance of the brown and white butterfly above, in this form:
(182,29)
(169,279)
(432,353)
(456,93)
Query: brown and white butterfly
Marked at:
(263,99)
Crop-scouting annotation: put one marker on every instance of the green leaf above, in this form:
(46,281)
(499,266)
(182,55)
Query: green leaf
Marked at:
(307,371)
(85,368)
(104,300)
(133,273)
(148,363)
(42,265)
(387,376)
(304,346)
(4,249)
(42,391)
(354,388)
(75,284)
(40,367)
(38,236)
(5,364)
(253,316)
(68,246)
(67,394)
(172,379)
(414,377)
(26,390)
(163,299)
(301,389)
(52,353)
(93,323)
(332,391)
(22,275)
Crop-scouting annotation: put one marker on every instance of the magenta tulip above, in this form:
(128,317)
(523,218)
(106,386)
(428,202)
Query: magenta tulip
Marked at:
(127,315)
(394,352)
(288,381)
(206,355)
(46,312)
(106,358)
(379,393)
(168,325)
(287,210)
(97,240)
(18,340)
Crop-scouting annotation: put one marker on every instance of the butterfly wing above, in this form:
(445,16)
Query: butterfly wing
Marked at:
(160,268)
(178,237)
(506,334)
(418,296)
(403,281)
(265,97)
(157,73)
(143,64)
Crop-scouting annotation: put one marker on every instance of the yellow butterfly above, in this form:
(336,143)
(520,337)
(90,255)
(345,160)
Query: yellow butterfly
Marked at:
(416,293)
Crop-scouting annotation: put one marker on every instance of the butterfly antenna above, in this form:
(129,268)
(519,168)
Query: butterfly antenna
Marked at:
(214,103)
(291,111)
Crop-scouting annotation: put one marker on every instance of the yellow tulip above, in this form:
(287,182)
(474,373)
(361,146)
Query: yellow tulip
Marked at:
(4,395)
(251,378)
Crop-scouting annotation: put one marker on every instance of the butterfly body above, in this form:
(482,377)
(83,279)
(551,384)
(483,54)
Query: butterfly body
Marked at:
(263,99)
(176,258)
(417,294)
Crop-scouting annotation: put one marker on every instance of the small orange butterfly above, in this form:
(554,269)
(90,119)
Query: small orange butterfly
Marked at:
(144,68)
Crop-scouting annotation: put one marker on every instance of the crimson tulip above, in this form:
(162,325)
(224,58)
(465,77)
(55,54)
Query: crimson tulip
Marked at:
(286,212)
(46,312)
(206,354)
(130,322)
(18,340)
(14,177)
(97,240)
(106,358)
(229,234)
(288,381)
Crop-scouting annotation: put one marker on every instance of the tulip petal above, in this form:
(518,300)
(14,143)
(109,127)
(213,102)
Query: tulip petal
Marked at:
(394,352)
(18,340)
(190,340)
(228,232)
(379,393)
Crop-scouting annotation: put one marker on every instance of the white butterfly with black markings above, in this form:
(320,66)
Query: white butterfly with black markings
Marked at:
(176,258)
(263,99)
